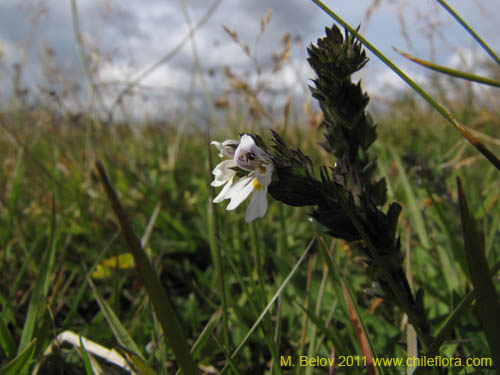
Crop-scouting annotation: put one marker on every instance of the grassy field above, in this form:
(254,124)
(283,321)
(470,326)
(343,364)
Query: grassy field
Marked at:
(277,295)
(58,230)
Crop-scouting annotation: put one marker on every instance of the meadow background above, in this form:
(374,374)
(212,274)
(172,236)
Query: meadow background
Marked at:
(149,117)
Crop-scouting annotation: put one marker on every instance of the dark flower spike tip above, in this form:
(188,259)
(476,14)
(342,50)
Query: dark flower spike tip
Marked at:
(350,129)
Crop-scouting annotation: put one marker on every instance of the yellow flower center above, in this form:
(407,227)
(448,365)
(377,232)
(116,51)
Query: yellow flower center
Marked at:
(257,185)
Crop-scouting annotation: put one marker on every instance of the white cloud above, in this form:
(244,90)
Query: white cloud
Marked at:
(385,80)
(9,54)
(462,59)
(131,38)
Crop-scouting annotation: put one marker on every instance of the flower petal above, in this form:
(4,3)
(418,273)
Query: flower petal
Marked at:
(226,190)
(226,148)
(223,172)
(223,167)
(258,205)
(248,155)
(240,191)
(219,147)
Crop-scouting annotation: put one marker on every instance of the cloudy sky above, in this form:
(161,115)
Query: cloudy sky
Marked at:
(123,39)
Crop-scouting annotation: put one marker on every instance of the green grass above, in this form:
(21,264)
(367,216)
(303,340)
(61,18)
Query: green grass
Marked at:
(58,225)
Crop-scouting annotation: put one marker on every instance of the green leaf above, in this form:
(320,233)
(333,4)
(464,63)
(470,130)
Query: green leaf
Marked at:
(363,336)
(329,331)
(40,290)
(73,306)
(449,71)
(270,303)
(416,215)
(6,341)
(15,188)
(487,305)
(418,224)
(160,300)
(20,364)
(454,317)
(205,334)
(85,356)
(119,331)
(137,363)
(411,334)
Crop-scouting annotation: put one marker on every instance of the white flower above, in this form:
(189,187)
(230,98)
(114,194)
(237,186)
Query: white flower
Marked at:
(250,157)
(224,174)
(226,148)
(255,183)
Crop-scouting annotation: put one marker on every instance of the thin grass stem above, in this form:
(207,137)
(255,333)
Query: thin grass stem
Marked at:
(470,30)
(449,71)
(271,302)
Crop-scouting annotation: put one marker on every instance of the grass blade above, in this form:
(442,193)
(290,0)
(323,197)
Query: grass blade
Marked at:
(328,331)
(20,364)
(119,331)
(137,363)
(81,291)
(228,357)
(313,335)
(470,31)
(215,248)
(453,319)
(449,71)
(205,334)
(83,56)
(310,266)
(488,307)
(417,219)
(162,306)
(40,290)
(85,356)
(270,303)
(14,189)
(416,214)
(256,249)
(150,226)
(411,334)
(365,342)
(6,341)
